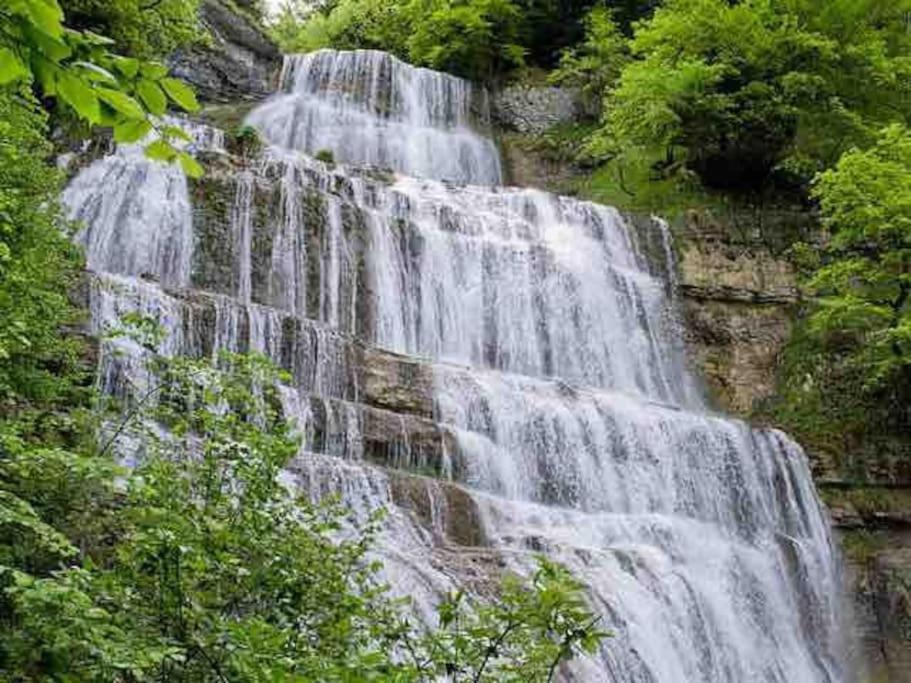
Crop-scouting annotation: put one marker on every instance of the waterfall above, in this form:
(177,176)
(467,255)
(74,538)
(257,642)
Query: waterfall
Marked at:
(368,107)
(501,368)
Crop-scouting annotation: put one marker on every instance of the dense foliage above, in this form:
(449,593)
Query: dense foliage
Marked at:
(147,29)
(96,86)
(596,63)
(744,93)
(37,262)
(864,279)
(845,381)
(474,38)
(201,564)
(479,39)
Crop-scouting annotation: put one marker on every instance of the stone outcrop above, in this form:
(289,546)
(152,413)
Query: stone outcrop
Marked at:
(240,63)
(534,109)
(525,165)
(738,299)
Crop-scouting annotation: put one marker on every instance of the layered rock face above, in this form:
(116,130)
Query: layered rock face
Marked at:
(534,109)
(502,369)
(739,301)
(240,63)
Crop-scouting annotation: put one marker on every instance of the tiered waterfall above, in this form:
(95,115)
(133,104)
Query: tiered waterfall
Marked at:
(501,368)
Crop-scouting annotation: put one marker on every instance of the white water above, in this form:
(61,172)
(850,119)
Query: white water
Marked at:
(566,414)
(368,107)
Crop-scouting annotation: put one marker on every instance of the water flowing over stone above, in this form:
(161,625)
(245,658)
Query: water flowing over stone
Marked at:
(500,367)
(367,106)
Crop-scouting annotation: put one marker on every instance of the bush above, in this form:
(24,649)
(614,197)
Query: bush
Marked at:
(246,141)
(326,156)
(38,264)
(213,570)
(863,282)
(476,39)
(752,92)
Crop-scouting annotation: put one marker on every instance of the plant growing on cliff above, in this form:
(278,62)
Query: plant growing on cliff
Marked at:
(742,93)
(863,281)
(202,564)
(595,64)
(145,29)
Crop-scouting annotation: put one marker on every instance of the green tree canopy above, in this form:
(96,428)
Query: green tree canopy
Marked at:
(864,278)
(203,565)
(741,91)
(596,63)
(477,39)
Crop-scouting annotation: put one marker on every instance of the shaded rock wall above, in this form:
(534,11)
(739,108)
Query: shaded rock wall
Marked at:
(241,63)
(738,301)
(534,109)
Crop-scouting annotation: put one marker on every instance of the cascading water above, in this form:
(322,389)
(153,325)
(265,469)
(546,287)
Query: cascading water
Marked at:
(519,347)
(368,107)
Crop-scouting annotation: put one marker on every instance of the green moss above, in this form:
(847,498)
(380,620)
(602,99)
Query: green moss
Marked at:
(631,185)
(861,546)
(227,117)
(214,255)
(326,156)
(868,500)
(635,186)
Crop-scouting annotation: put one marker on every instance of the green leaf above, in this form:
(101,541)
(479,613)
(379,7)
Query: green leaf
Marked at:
(47,72)
(131,131)
(11,67)
(154,70)
(52,47)
(78,95)
(128,66)
(189,165)
(160,151)
(181,94)
(46,16)
(95,39)
(95,72)
(121,102)
(109,117)
(153,97)
(176,132)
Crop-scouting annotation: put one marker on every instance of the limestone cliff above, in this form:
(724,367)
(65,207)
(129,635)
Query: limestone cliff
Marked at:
(239,62)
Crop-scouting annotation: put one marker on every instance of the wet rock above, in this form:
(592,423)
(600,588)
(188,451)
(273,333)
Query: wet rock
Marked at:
(878,579)
(242,63)
(534,109)
(738,300)
(396,382)
(443,507)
